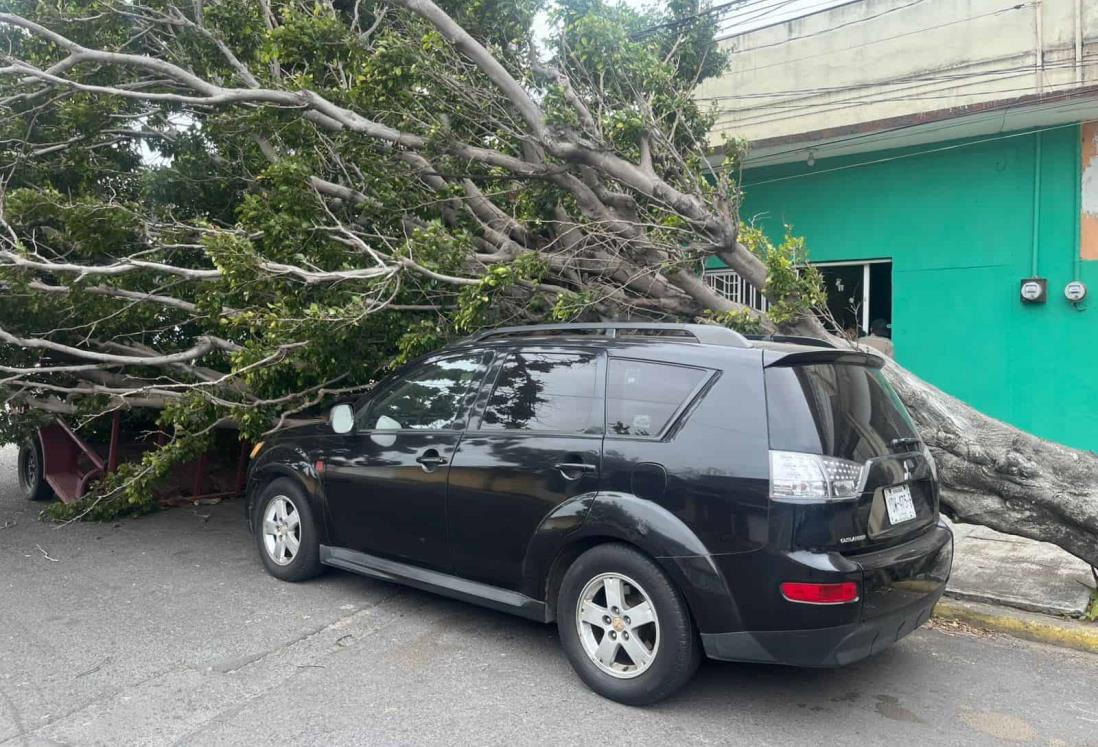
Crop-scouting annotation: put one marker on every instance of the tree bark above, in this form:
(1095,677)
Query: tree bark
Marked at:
(1001,477)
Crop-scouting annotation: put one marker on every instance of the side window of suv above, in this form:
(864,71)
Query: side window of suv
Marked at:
(431,397)
(544,392)
(642,397)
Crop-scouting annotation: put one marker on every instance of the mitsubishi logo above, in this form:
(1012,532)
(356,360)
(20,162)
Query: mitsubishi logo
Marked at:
(909,464)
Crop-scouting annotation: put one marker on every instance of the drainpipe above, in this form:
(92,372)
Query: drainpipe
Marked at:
(1039,48)
(1076,247)
(1035,245)
(1078,42)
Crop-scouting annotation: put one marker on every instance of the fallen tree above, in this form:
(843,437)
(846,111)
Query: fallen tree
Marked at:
(236,210)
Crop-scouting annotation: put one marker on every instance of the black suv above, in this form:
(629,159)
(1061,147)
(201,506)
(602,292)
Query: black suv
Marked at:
(659,491)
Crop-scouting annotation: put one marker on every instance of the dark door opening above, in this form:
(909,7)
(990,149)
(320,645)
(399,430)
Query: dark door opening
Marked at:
(859,294)
(880,294)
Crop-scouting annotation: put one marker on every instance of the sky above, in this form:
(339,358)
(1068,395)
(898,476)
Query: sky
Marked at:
(752,14)
(737,16)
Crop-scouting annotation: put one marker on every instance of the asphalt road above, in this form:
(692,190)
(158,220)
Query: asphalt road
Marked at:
(166,630)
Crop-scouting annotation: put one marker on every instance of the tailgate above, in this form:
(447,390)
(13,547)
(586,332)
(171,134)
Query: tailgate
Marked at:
(864,522)
(843,413)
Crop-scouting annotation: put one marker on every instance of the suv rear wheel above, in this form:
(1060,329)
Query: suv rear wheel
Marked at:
(624,627)
(286,532)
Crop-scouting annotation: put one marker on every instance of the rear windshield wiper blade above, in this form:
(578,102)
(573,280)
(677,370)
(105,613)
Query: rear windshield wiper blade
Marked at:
(904,441)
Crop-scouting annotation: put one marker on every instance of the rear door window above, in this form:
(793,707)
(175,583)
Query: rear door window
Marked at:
(642,397)
(544,392)
(835,409)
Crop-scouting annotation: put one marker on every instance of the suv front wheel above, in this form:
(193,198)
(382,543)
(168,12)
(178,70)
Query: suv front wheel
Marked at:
(624,626)
(286,532)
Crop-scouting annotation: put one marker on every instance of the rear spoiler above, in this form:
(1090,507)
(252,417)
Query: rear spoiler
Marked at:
(821,355)
(817,342)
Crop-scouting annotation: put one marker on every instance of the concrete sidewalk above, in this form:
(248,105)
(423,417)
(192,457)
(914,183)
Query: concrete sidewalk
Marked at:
(1013,571)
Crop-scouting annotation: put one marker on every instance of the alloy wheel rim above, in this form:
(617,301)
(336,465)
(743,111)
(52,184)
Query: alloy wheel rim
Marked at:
(281,530)
(618,626)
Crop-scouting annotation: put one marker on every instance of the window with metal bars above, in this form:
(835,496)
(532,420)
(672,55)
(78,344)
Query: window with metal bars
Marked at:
(729,284)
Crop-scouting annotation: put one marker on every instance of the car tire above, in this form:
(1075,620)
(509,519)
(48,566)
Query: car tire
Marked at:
(605,584)
(32,480)
(286,532)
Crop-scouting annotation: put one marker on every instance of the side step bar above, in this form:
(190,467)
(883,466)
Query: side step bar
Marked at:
(485,595)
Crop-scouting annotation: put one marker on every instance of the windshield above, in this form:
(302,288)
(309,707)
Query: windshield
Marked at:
(835,409)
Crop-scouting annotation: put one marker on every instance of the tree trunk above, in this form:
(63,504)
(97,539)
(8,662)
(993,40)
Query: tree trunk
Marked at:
(996,475)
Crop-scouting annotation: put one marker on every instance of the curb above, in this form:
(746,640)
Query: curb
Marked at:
(1054,631)
(1026,605)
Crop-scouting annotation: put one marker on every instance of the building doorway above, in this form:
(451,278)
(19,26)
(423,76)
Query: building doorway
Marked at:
(858,293)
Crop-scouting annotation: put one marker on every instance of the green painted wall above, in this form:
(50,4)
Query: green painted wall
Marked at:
(958,226)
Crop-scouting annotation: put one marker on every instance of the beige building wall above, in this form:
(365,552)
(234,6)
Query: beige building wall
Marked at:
(869,65)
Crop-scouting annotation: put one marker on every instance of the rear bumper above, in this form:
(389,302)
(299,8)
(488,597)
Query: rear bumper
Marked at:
(823,647)
(899,587)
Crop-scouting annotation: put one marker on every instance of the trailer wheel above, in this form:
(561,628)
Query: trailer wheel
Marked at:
(32,483)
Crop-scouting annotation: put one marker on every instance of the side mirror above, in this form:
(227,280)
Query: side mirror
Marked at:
(342,418)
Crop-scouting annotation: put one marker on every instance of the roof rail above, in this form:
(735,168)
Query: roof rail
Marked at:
(818,342)
(708,334)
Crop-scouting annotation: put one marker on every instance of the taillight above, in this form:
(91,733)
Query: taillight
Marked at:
(841,593)
(795,476)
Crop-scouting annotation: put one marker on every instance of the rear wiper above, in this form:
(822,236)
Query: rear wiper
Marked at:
(904,441)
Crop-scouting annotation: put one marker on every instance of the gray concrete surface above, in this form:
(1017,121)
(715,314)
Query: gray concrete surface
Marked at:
(166,630)
(997,568)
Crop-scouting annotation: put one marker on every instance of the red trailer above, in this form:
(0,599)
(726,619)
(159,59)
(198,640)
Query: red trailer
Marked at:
(59,462)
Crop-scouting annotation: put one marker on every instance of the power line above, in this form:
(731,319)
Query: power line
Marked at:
(730,119)
(933,97)
(889,38)
(891,133)
(899,130)
(692,18)
(740,20)
(887,159)
(962,87)
(831,28)
(791,106)
(732,30)
(914,79)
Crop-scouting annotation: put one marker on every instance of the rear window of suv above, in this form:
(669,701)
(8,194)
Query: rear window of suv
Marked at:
(834,409)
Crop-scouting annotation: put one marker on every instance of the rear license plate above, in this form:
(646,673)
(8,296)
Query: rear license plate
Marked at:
(900,506)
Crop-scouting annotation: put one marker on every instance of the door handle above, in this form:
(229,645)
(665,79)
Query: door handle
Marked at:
(574,470)
(431,459)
